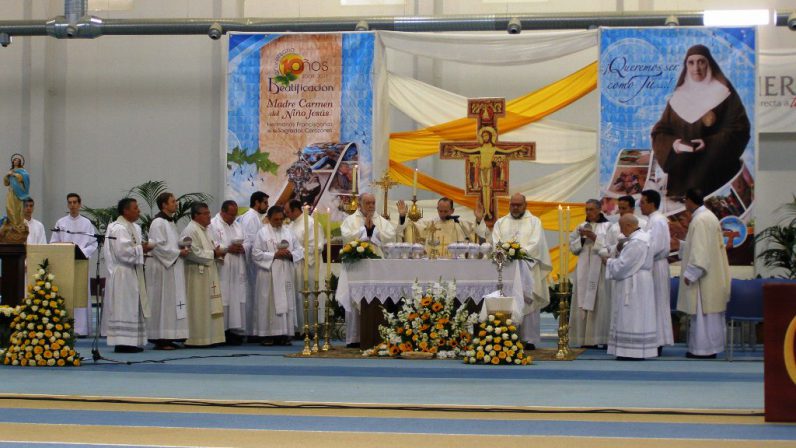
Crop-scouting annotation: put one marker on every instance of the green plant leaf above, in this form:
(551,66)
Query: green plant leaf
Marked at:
(261,159)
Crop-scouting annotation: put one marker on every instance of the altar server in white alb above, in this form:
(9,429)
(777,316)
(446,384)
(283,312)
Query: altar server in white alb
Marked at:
(295,212)
(35,228)
(165,278)
(705,280)
(126,302)
(626,205)
(364,224)
(276,252)
(202,286)
(658,228)
(367,225)
(521,226)
(76,229)
(633,334)
(251,222)
(232,270)
(590,312)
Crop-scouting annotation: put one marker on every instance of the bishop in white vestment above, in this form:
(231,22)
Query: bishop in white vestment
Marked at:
(633,332)
(590,310)
(705,280)
(251,222)
(446,228)
(276,252)
(76,229)
(658,228)
(126,302)
(202,286)
(232,270)
(165,278)
(523,227)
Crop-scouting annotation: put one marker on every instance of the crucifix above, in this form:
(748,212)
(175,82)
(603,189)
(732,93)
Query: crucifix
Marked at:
(431,240)
(486,159)
(385,183)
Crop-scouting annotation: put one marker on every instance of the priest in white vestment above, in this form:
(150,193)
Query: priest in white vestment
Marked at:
(126,302)
(590,310)
(523,227)
(276,252)
(36,233)
(625,205)
(705,280)
(165,278)
(251,222)
(633,334)
(446,227)
(76,229)
(658,228)
(232,270)
(364,224)
(202,285)
(295,213)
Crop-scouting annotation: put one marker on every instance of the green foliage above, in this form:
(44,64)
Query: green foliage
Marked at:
(780,249)
(285,79)
(146,193)
(261,159)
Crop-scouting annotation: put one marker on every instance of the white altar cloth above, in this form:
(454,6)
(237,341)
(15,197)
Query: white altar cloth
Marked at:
(383,279)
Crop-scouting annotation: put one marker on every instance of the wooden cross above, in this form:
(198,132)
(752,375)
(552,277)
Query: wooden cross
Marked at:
(385,183)
(487,160)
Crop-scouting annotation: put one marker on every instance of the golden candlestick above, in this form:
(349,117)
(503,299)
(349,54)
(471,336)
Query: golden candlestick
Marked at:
(563,354)
(307,350)
(317,315)
(385,183)
(348,205)
(327,324)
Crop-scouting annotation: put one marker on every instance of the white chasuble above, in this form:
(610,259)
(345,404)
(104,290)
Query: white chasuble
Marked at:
(232,272)
(165,282)
(275,293)
(125,301)
(633,327)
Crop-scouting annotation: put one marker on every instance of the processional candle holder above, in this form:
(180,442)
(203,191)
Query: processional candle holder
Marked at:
(307,348)
(564,294)
(414,214)
(327,322)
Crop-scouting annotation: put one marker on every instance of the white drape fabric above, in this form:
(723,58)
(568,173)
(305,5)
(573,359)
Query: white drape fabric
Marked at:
(496,48)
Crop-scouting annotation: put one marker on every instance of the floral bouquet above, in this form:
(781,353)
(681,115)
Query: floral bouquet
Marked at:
(497,343)
(426,323)
(42,330)
(513,250)
(357,250)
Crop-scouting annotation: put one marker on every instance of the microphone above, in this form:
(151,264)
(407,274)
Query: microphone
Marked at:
(455,218)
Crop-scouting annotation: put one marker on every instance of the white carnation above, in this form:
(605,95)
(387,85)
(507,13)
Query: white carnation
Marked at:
(50,277)
(360,249)
(47,285)
(514,337)
(512,252)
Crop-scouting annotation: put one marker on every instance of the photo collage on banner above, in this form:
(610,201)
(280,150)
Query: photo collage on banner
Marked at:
(299,117)
(678,112)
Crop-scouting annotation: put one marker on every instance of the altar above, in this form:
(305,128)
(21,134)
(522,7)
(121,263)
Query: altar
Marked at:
(366,281)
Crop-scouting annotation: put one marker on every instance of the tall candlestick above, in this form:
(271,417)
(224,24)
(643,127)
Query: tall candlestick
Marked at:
(354,179)
(560,243)
(306,247)
(328,244)
(414,184)
(566,259)
(317,258)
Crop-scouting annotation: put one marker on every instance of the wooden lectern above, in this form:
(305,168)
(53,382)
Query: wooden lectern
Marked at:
(70,268)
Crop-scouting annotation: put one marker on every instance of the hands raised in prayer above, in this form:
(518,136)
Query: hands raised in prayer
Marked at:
(283,254)
(218,252)
(403,209)
(588,234)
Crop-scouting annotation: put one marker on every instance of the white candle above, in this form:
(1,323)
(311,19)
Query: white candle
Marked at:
(306,247)
(328,244)
(315,252)
(354,179)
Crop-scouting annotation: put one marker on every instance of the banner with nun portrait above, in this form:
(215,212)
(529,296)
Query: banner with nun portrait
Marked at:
(678,112)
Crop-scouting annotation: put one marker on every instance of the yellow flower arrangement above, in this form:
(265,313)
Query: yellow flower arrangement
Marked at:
(357,250)
(497,343)
(512,249)
(37,338)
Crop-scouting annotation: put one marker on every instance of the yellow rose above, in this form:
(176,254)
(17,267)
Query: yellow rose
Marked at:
(55,289)
(61,363)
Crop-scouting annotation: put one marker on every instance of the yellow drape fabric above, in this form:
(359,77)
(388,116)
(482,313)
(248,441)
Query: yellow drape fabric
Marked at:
(520,111)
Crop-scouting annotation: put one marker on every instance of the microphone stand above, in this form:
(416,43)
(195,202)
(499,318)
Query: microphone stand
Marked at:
(95,353)
(461,226)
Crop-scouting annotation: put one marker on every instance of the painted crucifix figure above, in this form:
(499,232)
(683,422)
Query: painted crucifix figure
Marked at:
(487,160)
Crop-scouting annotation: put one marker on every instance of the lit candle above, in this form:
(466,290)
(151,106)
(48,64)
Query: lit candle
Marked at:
(328,244)
(414,184)
(306,247)
(566,259)
(354,179)
(317,258)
